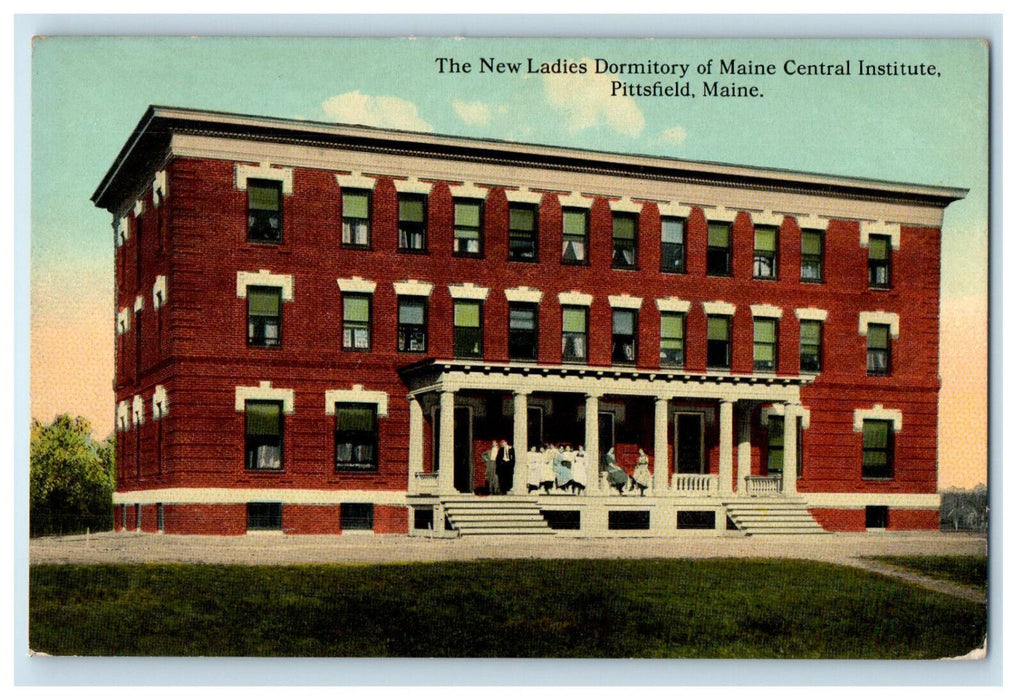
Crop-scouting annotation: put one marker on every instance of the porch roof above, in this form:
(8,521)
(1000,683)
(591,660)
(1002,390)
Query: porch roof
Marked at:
(516,377)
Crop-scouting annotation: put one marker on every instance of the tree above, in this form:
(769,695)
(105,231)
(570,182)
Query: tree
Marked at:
(71,478)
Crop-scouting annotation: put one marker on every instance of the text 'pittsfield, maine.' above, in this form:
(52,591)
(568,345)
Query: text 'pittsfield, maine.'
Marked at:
(711,77)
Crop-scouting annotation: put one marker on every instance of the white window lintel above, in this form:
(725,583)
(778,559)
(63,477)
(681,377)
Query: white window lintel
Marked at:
(159,402)
(877,412)
(766,217)
(672,305)
(525,295)
(159,292)
(140,207)
(413,186)
(625,301)
(356,181)
(138,410)
(468,291)
(468,190)
(523,195)
(357,394)
(356,285)
(264,392)
(779,410)
(675,209)
(263,171)
(719,308)
(765,311)
(575,299)
(575,200)
(811,314)
(264,278)
(625,204)
(140,303)
(413,288)
(159,187)
(883,318)
(880,228)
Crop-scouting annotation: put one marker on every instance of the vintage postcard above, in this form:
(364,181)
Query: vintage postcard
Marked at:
(574,348)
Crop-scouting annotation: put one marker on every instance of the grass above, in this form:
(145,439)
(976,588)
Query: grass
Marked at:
(963,569)
(509,608)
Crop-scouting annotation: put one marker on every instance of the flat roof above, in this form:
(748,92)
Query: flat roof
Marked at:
(152,135)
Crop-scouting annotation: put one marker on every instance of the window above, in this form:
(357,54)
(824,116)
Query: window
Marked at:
(624,240)
(138,516)
(764,344)
(673,339)
(878,349)
(574,236)
(810,346)
(719,249)
(522,331)
(469,332)
(263,516)
(468,228)
(160,517)
(355,218)
(264,316)
(574,334)
(624,336)
(695,520)
(777,443)
(356,516)
(355,321)
(264,435)
(266,215)
(673,245)
(878,449)
(719,342)
(355,437)
(412,222)
(879,262)
(412,324)
(629,520)
(766,239)
(522,232)
(562,519)
(812,248)
(876,517)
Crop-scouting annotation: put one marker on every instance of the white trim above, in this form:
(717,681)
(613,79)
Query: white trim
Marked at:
(263,171)
(413,288)
(231,496)
(877,412)
(138,410)
(264,392)
(811,314)
(719,308)
(925,501)
(140,207)
(673,209)
(811,222)
(468,290)
(264,278)
(123,416)
(527,295)
(523,195)
(624,301)
(672,305)
(356,181)
(123,231)
(883,318)
(719,214)
(765,311)
(159,292)
(356,285)
(159,187)
(159,402)
(467,190)
(575,200)
(880,228)
(625,204)
(140,303)
(575,299)
(766,217)
(779,410)
(124,321)
(413,186)
(357,394)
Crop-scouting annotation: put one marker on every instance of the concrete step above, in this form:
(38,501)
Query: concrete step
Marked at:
(773,517)
(506,515)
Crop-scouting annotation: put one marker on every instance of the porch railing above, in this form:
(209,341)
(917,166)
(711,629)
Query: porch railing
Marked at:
(425,483)
(764,485)
(695,483)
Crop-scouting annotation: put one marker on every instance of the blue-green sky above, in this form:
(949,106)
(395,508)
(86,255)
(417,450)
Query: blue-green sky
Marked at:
(89,93)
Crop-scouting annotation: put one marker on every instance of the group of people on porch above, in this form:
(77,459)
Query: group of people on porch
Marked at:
(559,467)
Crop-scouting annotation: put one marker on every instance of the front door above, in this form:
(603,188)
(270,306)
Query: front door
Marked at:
(463,446)
(689,452)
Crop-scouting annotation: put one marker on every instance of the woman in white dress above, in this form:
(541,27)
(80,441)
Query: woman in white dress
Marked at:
(579,470)
(642,473)
(547,468)
(533,469)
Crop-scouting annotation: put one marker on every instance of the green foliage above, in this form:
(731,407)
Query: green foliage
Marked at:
(71,478)
(962,569)
(964,511)
(702,608)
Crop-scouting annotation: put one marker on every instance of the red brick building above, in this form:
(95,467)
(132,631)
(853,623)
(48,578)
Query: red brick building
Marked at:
(322,328)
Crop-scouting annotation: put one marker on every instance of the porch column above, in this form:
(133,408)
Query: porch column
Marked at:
(789,449)
(743,449)
(446,448)
(660,446)
(520,437)
(415,440)
(725,446)
(592,444)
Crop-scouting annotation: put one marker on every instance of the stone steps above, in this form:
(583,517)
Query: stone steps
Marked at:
(784,516)
(495,515)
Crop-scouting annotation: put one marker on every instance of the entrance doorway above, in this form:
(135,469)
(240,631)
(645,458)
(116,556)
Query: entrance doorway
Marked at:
(462,447)
(689,448)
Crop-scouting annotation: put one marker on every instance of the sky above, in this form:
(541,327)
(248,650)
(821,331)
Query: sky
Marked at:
(89,93)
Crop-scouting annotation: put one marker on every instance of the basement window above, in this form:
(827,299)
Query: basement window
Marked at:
(263,516)
(357,516)
(629,520)
(876,517)
(695,520)
(562,519)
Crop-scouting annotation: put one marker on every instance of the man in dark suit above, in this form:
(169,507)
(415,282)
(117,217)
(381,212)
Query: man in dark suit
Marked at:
(506,466)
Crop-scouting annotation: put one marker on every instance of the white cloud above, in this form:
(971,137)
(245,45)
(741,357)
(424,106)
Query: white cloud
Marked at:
(673,134)
(476,113)
(586,101)
(375,110)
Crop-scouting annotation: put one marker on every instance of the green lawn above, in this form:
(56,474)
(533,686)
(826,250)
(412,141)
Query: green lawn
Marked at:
(510,608)
(966,570)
